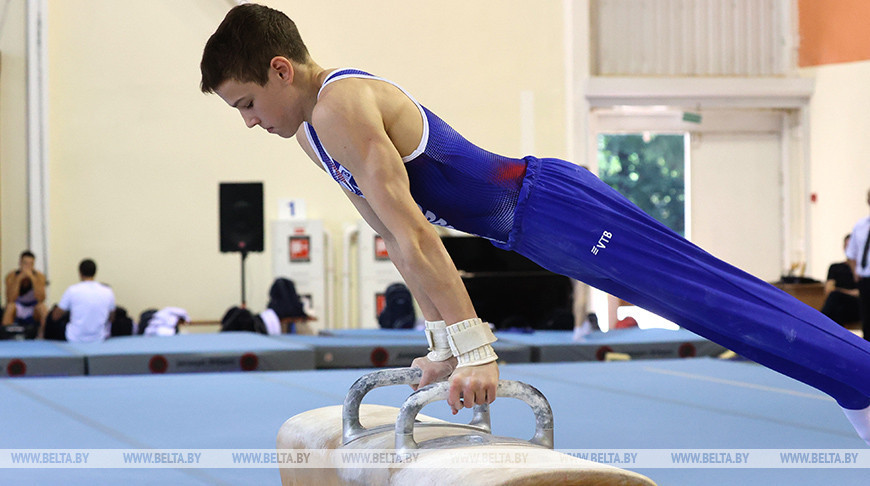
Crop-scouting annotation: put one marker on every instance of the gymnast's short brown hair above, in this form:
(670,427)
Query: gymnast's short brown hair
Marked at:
(244,44)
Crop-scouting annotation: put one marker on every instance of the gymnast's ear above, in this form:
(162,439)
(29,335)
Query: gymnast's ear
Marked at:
(282,68)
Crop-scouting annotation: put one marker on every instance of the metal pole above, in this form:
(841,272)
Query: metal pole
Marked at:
(37,130)
(244,256)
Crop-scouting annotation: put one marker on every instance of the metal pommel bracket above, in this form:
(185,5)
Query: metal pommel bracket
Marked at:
(506,388)
(351,426)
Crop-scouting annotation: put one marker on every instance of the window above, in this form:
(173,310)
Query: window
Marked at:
(650,170)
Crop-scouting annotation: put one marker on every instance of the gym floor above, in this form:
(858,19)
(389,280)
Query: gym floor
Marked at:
(695,404)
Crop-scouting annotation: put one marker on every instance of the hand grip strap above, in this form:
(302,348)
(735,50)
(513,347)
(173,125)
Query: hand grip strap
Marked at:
(470,342)
(436,336)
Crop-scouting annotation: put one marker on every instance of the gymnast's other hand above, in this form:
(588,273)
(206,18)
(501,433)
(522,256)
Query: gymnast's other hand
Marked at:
(433,371)
(473,385)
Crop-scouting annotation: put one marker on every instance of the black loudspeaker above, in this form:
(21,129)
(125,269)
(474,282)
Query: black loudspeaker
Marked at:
(241,213)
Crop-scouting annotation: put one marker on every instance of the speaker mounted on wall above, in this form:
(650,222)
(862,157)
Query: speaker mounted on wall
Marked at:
(241,216)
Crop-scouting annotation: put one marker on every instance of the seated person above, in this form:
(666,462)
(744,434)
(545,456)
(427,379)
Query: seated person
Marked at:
(91,307)
(286,309)
(841,293)
(398,312)
(25,297)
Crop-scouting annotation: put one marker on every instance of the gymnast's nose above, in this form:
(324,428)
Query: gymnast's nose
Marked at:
(251,121)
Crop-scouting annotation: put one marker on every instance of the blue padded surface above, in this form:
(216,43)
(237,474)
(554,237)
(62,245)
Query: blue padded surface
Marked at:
(558,346)
(185,353)
(375,333)
(351,352)
(39,358)
(664,404)
(382,349)
(700,403)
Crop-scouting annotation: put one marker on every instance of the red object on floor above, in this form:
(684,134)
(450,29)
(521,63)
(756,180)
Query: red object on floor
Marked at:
(626,323)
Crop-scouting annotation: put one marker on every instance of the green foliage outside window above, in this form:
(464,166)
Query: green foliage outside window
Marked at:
(650,171)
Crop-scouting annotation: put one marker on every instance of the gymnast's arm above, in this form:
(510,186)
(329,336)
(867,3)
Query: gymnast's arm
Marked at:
(433,371)
(351,127)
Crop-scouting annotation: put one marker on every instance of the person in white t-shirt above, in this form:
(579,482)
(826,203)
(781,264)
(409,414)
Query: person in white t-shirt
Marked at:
(91,306)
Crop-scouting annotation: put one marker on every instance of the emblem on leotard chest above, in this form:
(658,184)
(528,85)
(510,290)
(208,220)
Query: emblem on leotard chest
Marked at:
(345,178)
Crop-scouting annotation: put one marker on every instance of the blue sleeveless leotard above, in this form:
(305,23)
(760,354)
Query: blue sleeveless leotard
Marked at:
(565,219)
(455,183)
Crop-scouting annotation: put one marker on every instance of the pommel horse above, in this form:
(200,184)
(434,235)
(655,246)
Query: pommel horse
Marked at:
(422,450)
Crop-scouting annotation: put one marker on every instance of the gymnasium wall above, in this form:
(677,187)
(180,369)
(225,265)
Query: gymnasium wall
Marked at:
(840,165)
(13,137)
(835,49)
(137,152)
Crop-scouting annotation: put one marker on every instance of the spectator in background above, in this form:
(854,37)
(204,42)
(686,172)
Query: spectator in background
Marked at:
(25,296)
(287,311)
(856,254)
(91,306)
(841,292)
(585,323)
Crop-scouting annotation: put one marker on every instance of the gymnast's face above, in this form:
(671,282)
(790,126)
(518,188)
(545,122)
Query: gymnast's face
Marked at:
(270,107)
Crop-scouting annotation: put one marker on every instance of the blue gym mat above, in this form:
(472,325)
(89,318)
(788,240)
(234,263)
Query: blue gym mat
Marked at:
(383,349)
(39,358)
(189,353)
(558,346)
(375,333)
(348,348)
(635,405)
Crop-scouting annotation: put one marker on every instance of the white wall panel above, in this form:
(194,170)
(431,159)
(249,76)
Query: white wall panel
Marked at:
(692,37)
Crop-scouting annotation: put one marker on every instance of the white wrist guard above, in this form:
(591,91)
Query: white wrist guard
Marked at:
(436,336)
(470,342)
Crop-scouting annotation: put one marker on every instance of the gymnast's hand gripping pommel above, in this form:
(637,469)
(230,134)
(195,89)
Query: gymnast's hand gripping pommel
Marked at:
(463,352)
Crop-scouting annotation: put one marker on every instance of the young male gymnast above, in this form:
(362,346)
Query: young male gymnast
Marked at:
(403,168)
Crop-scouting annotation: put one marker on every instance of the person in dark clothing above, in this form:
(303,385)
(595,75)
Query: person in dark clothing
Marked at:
(841,292)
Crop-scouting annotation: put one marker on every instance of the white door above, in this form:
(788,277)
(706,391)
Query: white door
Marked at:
(736,206)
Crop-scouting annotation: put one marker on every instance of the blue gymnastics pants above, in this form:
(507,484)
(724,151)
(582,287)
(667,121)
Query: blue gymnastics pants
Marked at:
(570,222)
